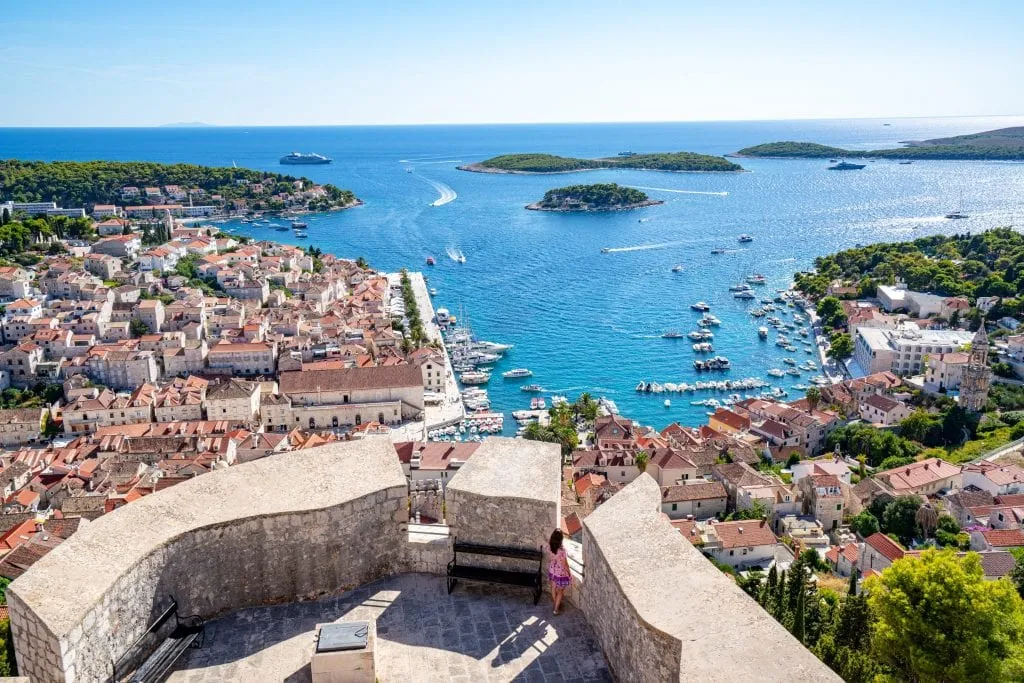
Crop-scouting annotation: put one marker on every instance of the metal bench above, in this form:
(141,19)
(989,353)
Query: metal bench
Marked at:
(527,579)
(188,632)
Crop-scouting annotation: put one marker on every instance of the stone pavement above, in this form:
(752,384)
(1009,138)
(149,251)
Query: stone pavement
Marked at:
(478,633)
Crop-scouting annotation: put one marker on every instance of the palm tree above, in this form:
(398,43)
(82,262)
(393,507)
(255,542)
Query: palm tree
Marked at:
(813,398)
(641,460)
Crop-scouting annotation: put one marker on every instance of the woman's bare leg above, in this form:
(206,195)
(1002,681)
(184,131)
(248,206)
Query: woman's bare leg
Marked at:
(558,593)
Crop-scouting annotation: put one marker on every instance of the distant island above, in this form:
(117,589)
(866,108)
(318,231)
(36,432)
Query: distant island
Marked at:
(87,183)
(549,163)
(1004,144)
(597,197)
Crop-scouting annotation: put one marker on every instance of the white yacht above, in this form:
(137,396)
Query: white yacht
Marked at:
(516,373)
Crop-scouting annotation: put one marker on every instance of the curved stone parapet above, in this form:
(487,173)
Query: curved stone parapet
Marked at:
(662,612)
(289,527)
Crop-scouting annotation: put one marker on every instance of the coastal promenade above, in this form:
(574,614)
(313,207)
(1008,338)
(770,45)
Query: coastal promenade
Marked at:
(450,411)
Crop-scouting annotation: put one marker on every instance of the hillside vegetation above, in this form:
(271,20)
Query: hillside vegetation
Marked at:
(796,150)
(1005,144)
(597,197)
(86,183)
(985,264)
(550,163)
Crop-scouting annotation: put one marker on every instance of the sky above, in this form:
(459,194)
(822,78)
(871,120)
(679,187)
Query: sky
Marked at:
(320,62)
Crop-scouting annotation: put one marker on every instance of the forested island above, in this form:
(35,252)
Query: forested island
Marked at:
(597,197)
(1004,144)
(87,183)
(550,163)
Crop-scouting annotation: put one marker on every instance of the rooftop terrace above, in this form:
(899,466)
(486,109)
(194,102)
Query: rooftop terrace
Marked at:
(266,550)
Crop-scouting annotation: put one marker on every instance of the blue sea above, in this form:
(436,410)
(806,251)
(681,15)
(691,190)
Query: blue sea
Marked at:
(580,319)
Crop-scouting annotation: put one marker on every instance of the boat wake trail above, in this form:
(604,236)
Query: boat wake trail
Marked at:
(445,193)
(455,254)
(643,247)
(666,189)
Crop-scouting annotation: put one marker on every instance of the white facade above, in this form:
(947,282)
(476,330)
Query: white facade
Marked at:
(903,351)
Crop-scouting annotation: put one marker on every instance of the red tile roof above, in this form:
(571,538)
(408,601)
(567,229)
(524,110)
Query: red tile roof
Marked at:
(1004,538)
(887,547)
(744,533)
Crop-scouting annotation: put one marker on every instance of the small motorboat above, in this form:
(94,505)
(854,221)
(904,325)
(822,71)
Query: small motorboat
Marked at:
(431,261)
(677,268)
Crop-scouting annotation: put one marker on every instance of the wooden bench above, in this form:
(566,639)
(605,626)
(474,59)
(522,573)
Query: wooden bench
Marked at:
(188,632)
(527,579)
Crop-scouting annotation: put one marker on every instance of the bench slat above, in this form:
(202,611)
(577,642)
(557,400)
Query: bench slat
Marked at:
(164,657)
(529,579)
(499,551)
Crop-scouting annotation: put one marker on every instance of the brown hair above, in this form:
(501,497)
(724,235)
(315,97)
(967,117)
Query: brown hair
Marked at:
(556,540)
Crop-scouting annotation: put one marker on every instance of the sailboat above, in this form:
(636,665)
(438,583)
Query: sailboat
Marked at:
(958,214)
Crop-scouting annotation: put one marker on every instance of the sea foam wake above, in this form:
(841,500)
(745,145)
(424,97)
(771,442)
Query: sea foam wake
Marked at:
(445,193)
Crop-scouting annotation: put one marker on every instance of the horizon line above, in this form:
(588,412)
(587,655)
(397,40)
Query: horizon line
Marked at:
(200,125)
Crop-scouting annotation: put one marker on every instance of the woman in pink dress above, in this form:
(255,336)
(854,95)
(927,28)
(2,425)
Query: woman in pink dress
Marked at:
(558,570)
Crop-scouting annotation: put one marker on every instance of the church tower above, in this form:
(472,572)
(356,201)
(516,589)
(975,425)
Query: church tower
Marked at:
(977,375)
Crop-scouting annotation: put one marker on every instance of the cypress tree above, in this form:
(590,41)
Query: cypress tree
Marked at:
(798,616)
(778,609)
(769,587)
(853,582)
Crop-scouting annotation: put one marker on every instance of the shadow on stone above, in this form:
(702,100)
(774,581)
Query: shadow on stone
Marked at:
(478,632)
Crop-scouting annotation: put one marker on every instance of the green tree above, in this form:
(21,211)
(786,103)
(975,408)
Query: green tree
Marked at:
(865,524)
(799,616)
(923,427)
(841,346)
(1017,575)
(641,460)
(813,398)
(757,510)
(8,664)
(938,619)
(586,407)
(900,517)
(830,309)
(138,327)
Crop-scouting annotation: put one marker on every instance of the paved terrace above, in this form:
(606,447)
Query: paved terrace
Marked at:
(479,633)
(322,535)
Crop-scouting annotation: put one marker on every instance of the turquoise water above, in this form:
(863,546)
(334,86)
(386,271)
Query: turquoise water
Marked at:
(582,320)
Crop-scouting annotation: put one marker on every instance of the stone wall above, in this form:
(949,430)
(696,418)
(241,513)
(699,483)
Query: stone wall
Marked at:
(288,527)
(506,494)
(662,612)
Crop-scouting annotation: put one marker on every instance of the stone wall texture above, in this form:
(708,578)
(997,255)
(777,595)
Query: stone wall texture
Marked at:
(288,527)
(506,494)
(662,612)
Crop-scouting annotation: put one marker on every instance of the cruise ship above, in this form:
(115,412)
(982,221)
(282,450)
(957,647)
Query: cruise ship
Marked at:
(298,158)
